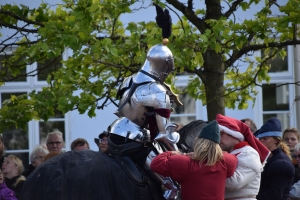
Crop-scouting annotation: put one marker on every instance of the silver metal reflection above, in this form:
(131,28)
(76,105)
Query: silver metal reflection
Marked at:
(159,63)
(127,129)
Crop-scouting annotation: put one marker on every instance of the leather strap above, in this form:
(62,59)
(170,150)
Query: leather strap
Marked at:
(150,75)
(131,170)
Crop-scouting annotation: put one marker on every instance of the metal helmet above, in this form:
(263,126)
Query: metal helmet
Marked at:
(159,64)
(127,129)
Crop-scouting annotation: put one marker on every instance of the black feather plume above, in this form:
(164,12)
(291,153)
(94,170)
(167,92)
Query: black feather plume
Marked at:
(164,21)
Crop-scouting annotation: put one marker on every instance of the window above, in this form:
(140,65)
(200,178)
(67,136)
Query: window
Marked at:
(276,103)
(185,113)
(47,127)
(278,64)
(16,140)
(7,74)
(19,142)
(275,99)
(48,66)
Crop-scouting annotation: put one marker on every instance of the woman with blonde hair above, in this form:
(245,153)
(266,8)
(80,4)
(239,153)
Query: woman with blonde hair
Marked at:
(12,169)
(198,174)
(291,137)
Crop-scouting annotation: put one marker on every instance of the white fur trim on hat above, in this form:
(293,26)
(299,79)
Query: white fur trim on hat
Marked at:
(233,133)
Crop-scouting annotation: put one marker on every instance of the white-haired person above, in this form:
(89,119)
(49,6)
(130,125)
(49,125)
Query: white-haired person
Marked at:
(36,157)
(55,141)
(198,173)
(12,169)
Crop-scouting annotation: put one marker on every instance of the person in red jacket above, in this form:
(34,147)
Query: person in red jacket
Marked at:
(202,176)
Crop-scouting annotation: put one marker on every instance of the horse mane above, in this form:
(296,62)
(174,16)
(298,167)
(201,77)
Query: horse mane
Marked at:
(188,133)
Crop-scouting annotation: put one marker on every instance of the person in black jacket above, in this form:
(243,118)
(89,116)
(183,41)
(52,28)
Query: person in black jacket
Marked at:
(37,157)
(101,141)
(277,176)
(12,169)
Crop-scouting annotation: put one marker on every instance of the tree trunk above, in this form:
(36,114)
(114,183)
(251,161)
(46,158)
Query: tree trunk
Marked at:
(213,79)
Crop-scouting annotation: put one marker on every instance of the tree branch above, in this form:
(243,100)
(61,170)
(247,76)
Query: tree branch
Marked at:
(279,85)
(233,8)
(18,28)
(17,44)
(253,81)
(257,47)
(189,14)
(20,18)
(190,4)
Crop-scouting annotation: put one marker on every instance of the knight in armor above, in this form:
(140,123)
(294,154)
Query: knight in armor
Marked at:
(142,130)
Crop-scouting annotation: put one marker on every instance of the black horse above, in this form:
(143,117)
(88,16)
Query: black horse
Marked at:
(89,175)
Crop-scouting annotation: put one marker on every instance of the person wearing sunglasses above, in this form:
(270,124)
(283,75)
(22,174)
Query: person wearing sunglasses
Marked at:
(102,141)
(55,141)
(278,173)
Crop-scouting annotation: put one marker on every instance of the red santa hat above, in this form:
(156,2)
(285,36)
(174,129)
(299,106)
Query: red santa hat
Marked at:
(242,132)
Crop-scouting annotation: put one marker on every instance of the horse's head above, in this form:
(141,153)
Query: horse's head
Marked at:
(188,133)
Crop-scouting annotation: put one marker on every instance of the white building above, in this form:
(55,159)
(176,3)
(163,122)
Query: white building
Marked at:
(275,102)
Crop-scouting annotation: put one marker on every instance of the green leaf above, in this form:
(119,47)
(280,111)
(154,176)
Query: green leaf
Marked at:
(218,48)
(244,6)
(114,52)
(44,46)
(203,37)
(200,59)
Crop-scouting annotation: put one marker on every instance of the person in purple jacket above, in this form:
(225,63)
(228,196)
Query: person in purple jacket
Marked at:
(5,192)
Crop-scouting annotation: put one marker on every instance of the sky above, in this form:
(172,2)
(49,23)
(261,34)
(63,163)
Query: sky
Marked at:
(145,14)
(146,11)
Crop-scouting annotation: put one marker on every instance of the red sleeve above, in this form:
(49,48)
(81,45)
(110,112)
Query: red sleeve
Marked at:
(168,165)
(231,163)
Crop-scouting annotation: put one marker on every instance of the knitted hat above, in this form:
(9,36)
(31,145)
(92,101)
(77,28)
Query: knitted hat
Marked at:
(211,132)
(242,132)
(272,127)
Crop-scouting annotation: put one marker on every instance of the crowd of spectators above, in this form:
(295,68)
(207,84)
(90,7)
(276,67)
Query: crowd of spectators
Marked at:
(267,166)
(272,176)
(12,173)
